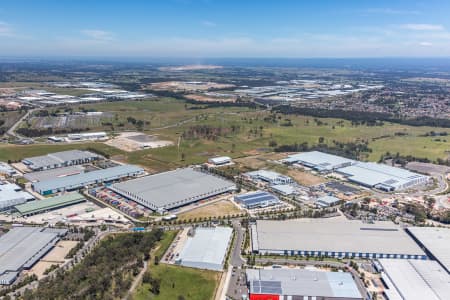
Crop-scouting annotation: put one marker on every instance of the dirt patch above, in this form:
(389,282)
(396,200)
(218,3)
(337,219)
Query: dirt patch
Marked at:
(216,209)
(305,178)
(134,141)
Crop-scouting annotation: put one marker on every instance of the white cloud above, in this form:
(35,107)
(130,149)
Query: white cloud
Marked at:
(426,44)
(207,23)
(423,27)
(98,35)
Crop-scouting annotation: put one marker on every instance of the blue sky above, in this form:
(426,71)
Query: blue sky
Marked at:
(226,28)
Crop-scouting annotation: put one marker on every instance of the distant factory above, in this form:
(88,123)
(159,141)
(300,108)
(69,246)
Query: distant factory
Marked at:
(60,159)
(368,174)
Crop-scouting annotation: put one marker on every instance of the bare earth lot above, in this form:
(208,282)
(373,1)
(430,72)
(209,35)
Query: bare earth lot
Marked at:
(216,209)
(305,178)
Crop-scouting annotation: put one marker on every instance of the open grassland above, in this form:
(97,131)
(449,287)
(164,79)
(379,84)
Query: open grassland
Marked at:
(216,209)
(254,130)
(178,281)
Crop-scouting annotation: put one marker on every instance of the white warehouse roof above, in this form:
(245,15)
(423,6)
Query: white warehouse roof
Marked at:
(207,248)
(415,279)
(335,236)
(436,240)
(319,160)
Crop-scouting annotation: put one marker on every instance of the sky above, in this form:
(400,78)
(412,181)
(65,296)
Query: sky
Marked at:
(225,28)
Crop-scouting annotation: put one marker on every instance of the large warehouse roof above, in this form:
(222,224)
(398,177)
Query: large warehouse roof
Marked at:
(372,174)
(21,247)
(415,279)
(57,158)
(37,206)
(80,180)
(172,189)
(436,241)
(53,173)
(300,282)
(12,194)
(256,199)
(207,248)
(319,160)
(334,235)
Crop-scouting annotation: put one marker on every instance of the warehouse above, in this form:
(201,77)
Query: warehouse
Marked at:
(75,182)
(11,194)
(334,238)
(206,248)
(220,161)
(414,279)
(382,176)
(319,161)
(87,136)
(269,177)
(53,173)
(48,204)
(172,189)
(257,199)
(327,201)
(436,241)
(22,247)
(60,159)
(280,283)
(284,189)
(6,169)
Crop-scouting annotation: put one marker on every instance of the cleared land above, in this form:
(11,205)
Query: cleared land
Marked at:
(178,281)
(305,178)
(216,209)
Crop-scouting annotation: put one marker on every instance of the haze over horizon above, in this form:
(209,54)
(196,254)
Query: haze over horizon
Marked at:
(207,29)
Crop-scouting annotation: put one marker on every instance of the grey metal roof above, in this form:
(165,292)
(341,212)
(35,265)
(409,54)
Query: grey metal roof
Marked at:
(21,247)
(174,188)
(76,181)
(253,198)
(371,174)
(58,158)
(12,194)
(53,173)
(416,279)
(320,160)
(335,235)
(437,242)
(207,248)
(301,282)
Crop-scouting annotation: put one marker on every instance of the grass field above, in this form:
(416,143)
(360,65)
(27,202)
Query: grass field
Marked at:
(216,209)
(170,118)
(176,281)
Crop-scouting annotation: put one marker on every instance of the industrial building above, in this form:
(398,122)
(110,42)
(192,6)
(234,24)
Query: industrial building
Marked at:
(219,161)
(22,247)
(6,169)
(283,284)
(319,161)
(206,248)
(74,182)
(334,238)
(327,201)
(11,194)
(257,199)
(436,241)
(164,191)
(269,177)
(53,173)
(87,136)
(406,279)
(284,189)
(382,176)
(40,206)
(60,159)
(369,174)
